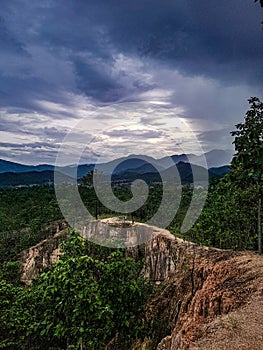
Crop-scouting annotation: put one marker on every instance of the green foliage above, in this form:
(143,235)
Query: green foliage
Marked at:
(81,304)
(247,163)
(10,271)
(24,215)
(231,215)
(229,218)
(8,294)
(94,293)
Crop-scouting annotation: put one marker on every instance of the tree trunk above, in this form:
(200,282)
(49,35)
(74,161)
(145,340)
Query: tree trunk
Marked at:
(96,210)
(259,226)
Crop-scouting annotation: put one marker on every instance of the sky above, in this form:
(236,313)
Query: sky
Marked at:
(155,77)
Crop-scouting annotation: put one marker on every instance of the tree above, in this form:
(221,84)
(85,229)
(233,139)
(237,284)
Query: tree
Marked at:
(229,218)
(247,163)
(84,302)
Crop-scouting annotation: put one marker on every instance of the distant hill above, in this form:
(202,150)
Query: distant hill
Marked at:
(214,158)
(83,169)
(122,169)
(6,166)
(142,164)
(182,172)
(11,167)
(220,171)
(143,169)
(121,165)
(26,178)
(29,178)
(218,158)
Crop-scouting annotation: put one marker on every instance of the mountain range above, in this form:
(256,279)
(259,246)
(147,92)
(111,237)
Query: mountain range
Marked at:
(122,169)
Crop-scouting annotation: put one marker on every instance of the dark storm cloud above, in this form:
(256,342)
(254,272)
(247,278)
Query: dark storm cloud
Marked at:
(50,46)
(211,139)
(219,39)
(61,58)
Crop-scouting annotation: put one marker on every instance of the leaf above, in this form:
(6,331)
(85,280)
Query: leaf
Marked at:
(43,332)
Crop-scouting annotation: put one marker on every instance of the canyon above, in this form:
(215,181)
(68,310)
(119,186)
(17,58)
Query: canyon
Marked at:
(207,298)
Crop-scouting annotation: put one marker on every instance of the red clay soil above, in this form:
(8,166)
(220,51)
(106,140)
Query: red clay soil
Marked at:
(214,301)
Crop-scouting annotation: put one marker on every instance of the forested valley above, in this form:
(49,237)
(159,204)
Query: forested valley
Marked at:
(94,292)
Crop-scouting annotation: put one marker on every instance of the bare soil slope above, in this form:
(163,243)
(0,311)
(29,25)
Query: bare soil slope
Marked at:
(214,301)
(208,298)
(238,330)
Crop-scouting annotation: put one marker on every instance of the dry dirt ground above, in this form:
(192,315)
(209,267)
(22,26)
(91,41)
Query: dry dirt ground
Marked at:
(241,329)
(217,305)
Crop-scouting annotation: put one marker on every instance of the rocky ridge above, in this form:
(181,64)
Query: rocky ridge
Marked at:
(198,287)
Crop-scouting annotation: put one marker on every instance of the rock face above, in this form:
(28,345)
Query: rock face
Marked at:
(157,250)
(199,284)
(34,259)
(227,286)
(206,284)
(154,244)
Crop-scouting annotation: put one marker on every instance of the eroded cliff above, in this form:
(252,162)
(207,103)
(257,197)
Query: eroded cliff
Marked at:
(206,284)
(34,259)
(198,287)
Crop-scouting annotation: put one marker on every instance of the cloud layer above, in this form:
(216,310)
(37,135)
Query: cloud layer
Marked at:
(61,61)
